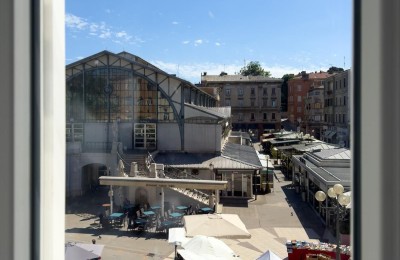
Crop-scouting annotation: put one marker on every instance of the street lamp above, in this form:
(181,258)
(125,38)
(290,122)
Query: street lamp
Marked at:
(342,200)
(211,167)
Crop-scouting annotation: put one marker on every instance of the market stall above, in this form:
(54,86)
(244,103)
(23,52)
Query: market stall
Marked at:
(302,250)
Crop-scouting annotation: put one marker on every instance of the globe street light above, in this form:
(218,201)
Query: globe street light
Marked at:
(342,200)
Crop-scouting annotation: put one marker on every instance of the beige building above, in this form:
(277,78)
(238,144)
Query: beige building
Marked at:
(337,90)
(314,110)
(255,101)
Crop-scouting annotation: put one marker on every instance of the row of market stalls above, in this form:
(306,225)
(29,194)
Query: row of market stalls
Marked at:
(312,165)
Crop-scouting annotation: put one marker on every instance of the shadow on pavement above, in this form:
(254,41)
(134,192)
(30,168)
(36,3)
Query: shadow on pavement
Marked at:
(306,215)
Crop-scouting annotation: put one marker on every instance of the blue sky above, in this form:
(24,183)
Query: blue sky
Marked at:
(190,37)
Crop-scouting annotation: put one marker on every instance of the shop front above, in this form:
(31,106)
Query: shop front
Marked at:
(239,183)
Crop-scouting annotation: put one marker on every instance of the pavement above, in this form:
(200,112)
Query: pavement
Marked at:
(272,219)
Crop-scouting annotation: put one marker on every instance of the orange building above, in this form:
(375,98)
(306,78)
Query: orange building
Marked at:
(298,88)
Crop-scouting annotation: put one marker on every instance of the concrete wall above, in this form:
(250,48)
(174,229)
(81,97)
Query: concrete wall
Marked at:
(202,138)
(125,135)
(96,132)
(168,137)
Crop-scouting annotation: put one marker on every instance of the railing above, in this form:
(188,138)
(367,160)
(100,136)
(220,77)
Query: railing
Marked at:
(97,147)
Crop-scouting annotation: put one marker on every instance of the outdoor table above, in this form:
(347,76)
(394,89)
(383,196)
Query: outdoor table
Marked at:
(206,210)
(176,214)
(182,207)
(149,213)
(116,215)
(140,221)
(155,207)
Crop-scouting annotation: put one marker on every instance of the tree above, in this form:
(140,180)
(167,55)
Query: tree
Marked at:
(334,69)
(284,91)
(254,69)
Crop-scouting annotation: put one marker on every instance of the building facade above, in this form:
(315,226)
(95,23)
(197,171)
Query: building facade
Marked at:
(298,88)
(314,111)
(121,107)
(337,94)
(255,101)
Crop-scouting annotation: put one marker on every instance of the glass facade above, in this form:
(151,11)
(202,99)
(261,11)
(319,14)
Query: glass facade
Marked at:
(110,94)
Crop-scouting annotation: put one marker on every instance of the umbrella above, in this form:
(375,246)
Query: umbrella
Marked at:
(206,248)
(269,255)
(82,251)
(215,225)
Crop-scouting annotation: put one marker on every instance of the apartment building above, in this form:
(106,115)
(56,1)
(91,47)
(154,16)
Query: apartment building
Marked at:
(314,111)
(298,88)
(255,101)
(336,127)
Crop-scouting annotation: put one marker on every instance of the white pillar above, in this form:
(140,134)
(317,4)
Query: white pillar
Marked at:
(162,202)
(216,200)
(110,194)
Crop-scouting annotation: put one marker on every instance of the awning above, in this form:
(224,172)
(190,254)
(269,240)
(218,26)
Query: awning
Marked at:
(329,134)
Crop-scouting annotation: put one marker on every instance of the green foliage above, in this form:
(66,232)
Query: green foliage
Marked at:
(333,69)
(284,91)
(254,69)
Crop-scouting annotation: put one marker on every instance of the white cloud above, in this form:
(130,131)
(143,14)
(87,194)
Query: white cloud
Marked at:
(75,22)
(100,29)
(198,42)
(105,34)
(108,11)
(175,23)
(210,14)
(186,42)
(192,71)
(218,44)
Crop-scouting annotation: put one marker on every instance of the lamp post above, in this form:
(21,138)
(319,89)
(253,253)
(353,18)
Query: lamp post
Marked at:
(211,167)
(341,201)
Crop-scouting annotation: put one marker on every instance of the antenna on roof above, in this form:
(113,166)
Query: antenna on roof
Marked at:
(344,62)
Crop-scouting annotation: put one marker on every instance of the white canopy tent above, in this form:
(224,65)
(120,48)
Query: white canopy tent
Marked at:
(215,225)
(269,255)
(206,248)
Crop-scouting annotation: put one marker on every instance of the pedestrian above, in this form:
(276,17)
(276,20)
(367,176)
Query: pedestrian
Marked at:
(94,241)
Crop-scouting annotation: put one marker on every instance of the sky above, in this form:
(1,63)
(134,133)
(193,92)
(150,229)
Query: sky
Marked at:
(188,38)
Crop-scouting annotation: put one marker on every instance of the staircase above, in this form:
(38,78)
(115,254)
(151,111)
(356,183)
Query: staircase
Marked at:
(140,159)
(196,195)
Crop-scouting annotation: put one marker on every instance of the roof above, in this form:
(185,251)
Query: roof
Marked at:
(201,161)
(241,78)
(313,75)
(219,112)
(337,153)
(333,174)
(243,153)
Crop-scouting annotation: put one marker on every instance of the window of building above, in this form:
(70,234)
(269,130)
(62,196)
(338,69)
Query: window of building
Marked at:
(240,102)
(265,102)
(344,83)
(240,91)
(227,102)
(252,118)
(298,87)
(265,91)
(273,103)
(228,92)
(299,109)
(240,116)
(265,116)
(252,102)
(273,116)
(273,91)
(298,98)
(253,91)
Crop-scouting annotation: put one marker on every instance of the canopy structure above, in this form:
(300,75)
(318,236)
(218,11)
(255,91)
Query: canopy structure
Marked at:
(206,248)
(215,225)
(78,251)
(269,255)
